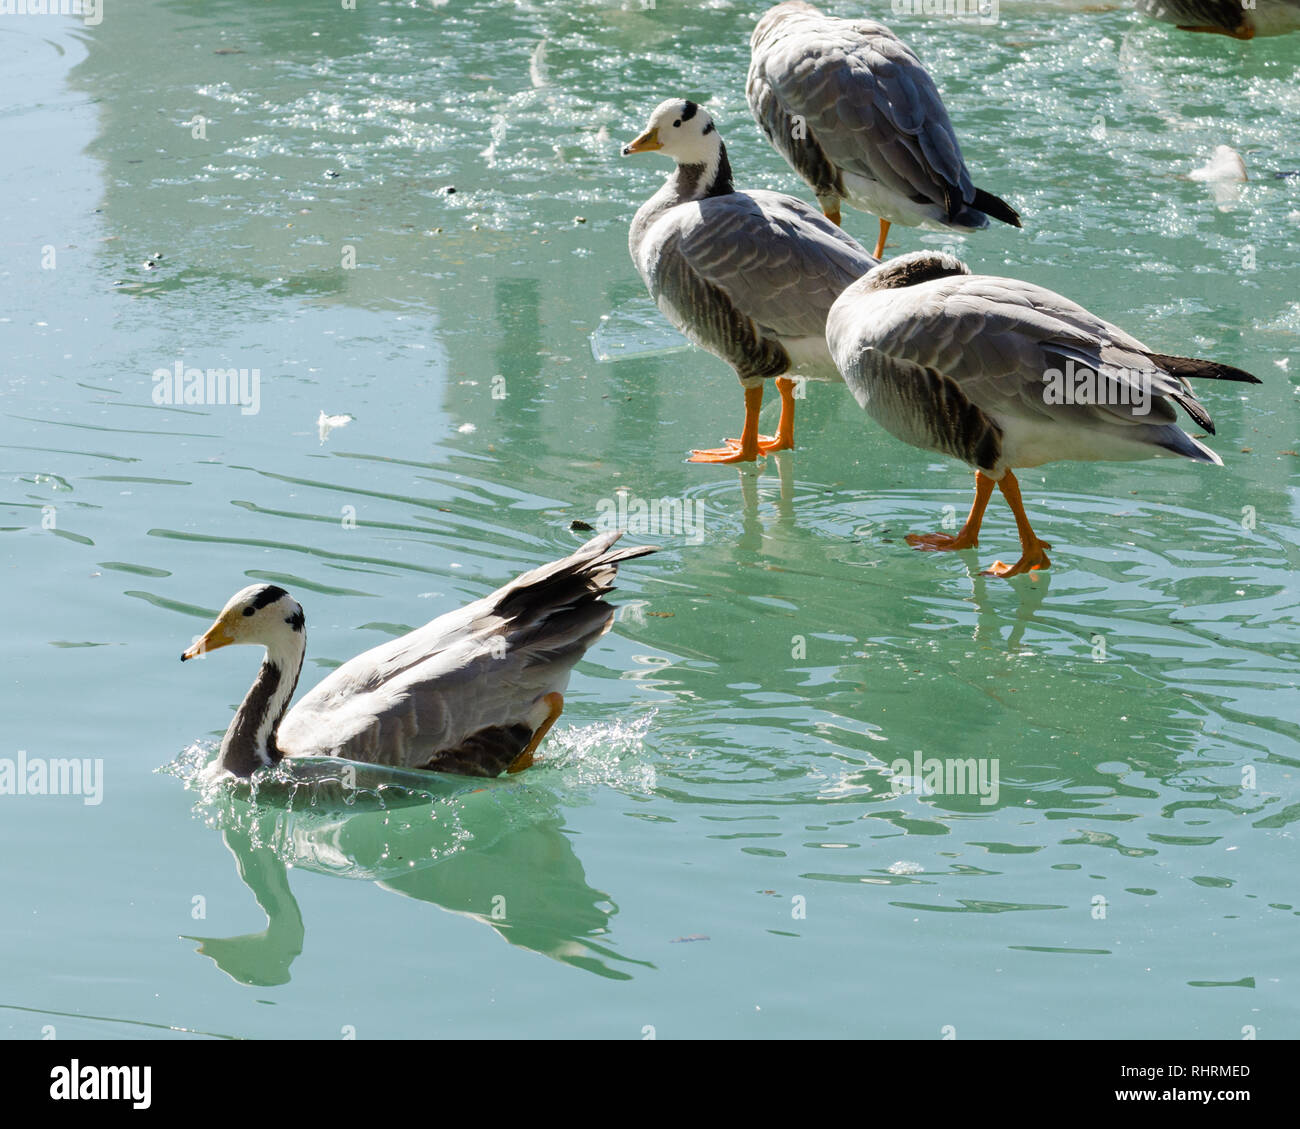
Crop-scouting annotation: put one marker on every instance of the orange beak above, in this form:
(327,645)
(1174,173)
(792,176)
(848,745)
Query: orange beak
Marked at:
(215,637)
(648,142)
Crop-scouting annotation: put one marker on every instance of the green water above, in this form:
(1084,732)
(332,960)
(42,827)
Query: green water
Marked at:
(716,843)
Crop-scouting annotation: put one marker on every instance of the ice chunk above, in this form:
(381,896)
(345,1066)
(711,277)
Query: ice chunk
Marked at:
(638,329)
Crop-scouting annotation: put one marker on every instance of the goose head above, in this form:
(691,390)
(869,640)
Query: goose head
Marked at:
(682,130)
(262,614)
(911,269)
(267,616)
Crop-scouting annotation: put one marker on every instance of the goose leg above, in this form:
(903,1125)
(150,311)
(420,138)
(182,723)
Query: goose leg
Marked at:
(880,243)
(555,702)
(783,440)
(968,536)
(746,449)
(1031,548)
(832,213)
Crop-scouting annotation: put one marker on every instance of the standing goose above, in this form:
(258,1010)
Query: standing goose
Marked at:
(473,692)
(1237,18)
(1000,374)
(750,276)
(850,107)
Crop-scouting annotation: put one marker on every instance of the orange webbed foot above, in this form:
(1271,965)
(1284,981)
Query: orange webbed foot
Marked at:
(942,541)
(730,454)
(1030,562)
(766,443)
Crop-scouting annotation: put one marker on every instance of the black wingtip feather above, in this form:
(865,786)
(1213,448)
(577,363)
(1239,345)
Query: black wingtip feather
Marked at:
(1194,408)
(998,208)
(585,574)
(1195,368)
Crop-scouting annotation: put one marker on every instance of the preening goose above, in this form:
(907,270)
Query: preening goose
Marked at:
(850,107)
(749,276)
(1241,19)
(1001,373)
(473,692)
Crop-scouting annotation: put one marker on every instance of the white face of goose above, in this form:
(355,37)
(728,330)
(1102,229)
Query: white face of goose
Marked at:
(262,614)
(681,130)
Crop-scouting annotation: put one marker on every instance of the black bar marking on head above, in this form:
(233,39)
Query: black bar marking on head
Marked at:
(688,110)
(709,128)
(267,595)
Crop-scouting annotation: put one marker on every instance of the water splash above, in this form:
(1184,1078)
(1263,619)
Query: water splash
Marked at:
(604,753)
(346,817)
(314,783)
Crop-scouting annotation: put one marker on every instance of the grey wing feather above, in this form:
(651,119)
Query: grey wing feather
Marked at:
(791,138)
(925,407)
(777,260)
(996,338)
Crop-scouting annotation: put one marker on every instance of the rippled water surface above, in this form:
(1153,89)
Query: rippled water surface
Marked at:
(415,215)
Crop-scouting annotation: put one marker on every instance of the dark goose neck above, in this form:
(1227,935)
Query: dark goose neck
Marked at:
(250,743)
(695,182)
(684,184)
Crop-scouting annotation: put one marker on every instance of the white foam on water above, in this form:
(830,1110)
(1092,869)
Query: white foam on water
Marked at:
(905,867)
(609,752)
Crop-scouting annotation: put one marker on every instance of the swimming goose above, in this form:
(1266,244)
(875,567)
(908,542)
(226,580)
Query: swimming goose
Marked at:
(473,692)
(850,107)
(1239,19)
(1001,373)
(749,276)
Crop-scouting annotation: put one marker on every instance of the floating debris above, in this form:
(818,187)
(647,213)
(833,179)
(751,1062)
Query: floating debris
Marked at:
(325,424)
(538,71)
(1225,172)
(904,867)
(1225,163)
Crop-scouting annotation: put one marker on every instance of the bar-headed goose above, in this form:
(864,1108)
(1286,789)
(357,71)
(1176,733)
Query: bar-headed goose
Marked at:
(1001,373)
(473,692)
(749,276)
(850,107)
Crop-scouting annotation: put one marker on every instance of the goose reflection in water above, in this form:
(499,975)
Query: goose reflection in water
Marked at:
(433,838)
